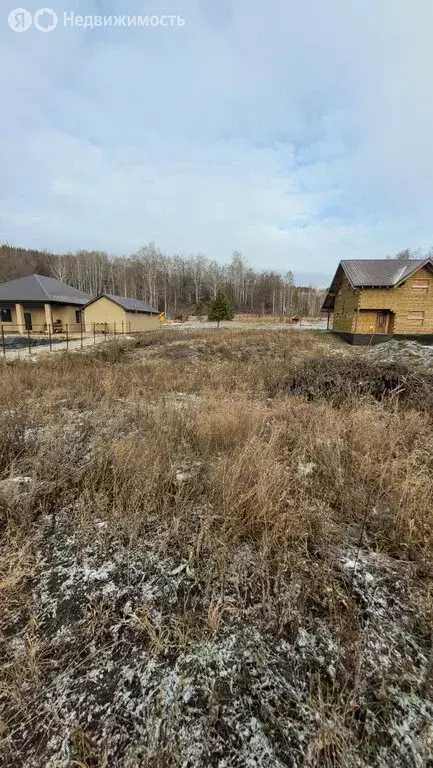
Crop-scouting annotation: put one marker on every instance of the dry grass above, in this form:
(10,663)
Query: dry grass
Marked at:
(165,461)
(250,318)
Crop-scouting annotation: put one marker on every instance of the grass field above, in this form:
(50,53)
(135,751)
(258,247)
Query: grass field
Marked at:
(217,550)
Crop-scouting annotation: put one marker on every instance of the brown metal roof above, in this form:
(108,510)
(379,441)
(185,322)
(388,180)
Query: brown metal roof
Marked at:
(379,273)
(373,273)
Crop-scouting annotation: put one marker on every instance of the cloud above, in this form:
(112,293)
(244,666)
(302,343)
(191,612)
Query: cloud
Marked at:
(296,133)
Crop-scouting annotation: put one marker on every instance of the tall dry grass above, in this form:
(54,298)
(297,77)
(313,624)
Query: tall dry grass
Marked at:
(177,442)
(84,424)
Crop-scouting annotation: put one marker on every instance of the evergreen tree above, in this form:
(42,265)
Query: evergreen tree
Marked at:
(221,309)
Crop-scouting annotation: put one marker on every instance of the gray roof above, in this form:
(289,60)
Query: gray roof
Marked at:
(379,273)
(373,273)
(43,289)
(131,305)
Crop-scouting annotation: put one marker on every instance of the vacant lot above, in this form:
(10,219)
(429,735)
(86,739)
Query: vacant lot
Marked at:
(217,550)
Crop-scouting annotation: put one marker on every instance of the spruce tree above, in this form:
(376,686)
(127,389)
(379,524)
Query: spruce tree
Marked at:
(221,309)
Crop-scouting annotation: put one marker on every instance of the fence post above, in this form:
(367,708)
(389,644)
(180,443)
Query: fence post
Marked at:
(29,340)
(114,328)
(81,330)
(67,337)
(94,333)
(49,337)
(122,327)
(3,342)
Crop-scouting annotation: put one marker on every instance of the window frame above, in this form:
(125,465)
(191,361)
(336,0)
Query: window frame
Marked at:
(415,317)
(7,310)
(420,285)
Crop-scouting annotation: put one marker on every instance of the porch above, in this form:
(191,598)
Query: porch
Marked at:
(374,321)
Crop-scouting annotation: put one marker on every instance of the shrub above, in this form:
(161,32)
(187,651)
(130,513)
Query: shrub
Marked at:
(345,379)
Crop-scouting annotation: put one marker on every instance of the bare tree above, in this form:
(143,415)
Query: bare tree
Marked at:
(197,265)
(214,276)
(172,282)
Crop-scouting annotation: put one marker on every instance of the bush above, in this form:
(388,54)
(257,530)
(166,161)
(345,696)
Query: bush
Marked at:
(341,380)
(200,309)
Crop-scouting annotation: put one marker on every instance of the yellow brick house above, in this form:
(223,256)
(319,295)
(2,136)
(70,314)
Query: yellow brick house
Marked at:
(375,300)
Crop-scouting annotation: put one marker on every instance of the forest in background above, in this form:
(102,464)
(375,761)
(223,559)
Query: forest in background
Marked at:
(174,284)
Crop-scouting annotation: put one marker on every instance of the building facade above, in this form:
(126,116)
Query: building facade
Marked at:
(376,300)
(40,304)
(118,314)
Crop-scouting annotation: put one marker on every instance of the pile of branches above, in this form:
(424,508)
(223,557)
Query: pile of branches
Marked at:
(345,379)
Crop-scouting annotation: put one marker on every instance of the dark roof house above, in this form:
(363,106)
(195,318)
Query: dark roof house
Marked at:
(375,299)
(120,314)
(130,305)
(38,303)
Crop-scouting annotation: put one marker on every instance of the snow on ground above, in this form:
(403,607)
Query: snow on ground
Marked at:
(304,325)
(57,346)
(402,351)
(121,679)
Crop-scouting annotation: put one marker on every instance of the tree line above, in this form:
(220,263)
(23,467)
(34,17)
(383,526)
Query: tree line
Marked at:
(173,284)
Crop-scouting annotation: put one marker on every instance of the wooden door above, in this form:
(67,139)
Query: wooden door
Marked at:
(382,322)
(28,321)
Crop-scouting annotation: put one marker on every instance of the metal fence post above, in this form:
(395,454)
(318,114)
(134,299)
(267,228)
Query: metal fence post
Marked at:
(122,327)
(67,337)
(49,337)
(29,340)
(94,333)
(3,342)
(114,328)
(81,331)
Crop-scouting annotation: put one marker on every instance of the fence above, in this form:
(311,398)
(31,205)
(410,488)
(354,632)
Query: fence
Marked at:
(67,335)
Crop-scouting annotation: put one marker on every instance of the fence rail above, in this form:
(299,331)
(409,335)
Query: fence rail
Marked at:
(20,337)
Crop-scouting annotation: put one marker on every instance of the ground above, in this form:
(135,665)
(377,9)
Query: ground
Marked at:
(217,551)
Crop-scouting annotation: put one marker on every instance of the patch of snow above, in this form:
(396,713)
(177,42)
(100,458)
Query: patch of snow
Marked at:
(306,468)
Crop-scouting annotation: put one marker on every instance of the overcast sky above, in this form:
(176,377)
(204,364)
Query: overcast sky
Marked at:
(298,133)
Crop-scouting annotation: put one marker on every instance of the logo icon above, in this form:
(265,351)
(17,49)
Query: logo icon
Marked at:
(20,20)
(45,20)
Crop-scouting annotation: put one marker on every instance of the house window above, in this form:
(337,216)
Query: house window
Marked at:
(78,316)
(416,318)
(420,286)
(5,315)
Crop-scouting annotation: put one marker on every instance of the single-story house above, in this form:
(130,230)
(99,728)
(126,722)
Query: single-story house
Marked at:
(40,304)
(375,300)
(119,314)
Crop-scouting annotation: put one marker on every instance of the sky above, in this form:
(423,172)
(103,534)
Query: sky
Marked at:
(298,133)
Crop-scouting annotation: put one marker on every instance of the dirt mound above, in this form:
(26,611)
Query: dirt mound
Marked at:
(344,379)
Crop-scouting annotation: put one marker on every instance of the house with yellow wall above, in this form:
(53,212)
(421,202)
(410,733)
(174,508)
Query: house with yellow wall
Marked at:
(118,314)
(375,300)
(40,304)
